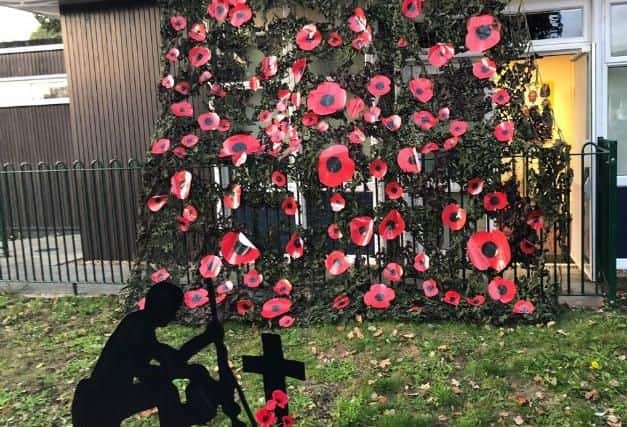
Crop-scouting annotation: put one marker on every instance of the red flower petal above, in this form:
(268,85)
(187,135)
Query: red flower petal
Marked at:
(394,190)
(335,40)
(182,109)
(189,140)
(335,167)
(408,160)
(379,296)
(337,202)
(485,68)
(295,246)
(421,262)
(535,220)
(297,70)
(209,121)
(334,232)
(275,307)
(156,203)
(357,22)
(237,249)
(279,179)
(392,226)
(489,249)
(181,184)
(160,275)
(233,198)
(452,298)
(196,298)
(253,278)
(458,128)
(484,32)
(286,322)
(178,22)
(244,306)
(336,263)
(425,120)
(308,38)
(476,301)
(198,32)
(495,201)
(523,307)
(475,186)
(289,205)
(355,107)
(504,131)
(218,10)
(440,54)
(503,290)
(393,272)
(454,217)
(199,56)
(283,287)
(392,123)
(411,8)
(341,302)
(361,230)
(240,15)
(239,144)
(378,168)
(501,97)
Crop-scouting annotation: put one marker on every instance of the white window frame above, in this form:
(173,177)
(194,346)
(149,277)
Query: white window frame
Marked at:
(35,48)
(43,77)
(609,59)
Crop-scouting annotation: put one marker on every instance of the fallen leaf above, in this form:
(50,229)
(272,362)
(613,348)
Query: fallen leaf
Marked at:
(359,318)
(592,395)
(521,399)
(409,335)
(518,420)
(377,333)
(385,363)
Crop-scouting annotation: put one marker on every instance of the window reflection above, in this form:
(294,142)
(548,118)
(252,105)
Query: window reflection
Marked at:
(617,113)
(618,29)
(33,91)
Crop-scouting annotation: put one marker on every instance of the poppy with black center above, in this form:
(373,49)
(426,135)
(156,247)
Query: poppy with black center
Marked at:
(335,40)
(378,168)
(326,99)
(452,298)
(392,225)
(295,246)
(535,220)
(421,262)
(504,131)
(196,298)
(379,296)
(173,54)
(289,205)
(297,70)
(199,56)
(182,109)
(440,54)
(218,10)
(476,301)
(334,232)
(393,272)
(240,15)
(283,287)
(425,120)
(453,217)
(363,39)
(183,88)
(484,32)
(198,32)
(253,278)
(189,140)
(275,307)
(189,214)
(209,121)
(238,144)
(430,288)
(429,147)
(237,249)
(244,306)
(178,22)
(489,249)
(308,38)
(422,89)
(495,201)
(156,203)
(523,307)
(210,266)
(286,322)
(233,198)
(361,230)
(485,68)
(279,179)
(379,85)
(357,22)
(408,161)
(527,247)
(337,202)
(392,123)
(355,107)
(502,290)
(340,302)
(501,97)
(336,263)
(411,8)
(160,275)
(335,166)
(458,127)
(394,190)
(475,186)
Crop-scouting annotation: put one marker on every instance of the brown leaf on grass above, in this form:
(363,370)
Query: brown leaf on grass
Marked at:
(592,395)
(521,399)
(377,333)
(409,335)
(614,421)
(359,318)
(518,420)
(385,363)
(443,348)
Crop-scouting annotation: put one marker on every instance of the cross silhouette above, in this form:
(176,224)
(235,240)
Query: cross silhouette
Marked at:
(274,367)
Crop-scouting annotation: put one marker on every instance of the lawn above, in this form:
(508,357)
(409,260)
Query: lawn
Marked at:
(569,373)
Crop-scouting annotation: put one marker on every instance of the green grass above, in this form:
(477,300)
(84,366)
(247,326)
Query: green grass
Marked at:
(395,375)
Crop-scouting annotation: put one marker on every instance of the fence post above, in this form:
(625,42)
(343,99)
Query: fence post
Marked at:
(607,214)
(4,235)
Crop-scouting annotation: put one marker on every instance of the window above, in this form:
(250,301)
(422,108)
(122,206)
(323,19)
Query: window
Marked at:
(617,113)
(618,29)
(554,24)
(34,90)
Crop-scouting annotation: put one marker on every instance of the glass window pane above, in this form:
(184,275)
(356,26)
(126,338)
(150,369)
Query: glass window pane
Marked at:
(617,111)
(554,24)
(36,91)
(618,29)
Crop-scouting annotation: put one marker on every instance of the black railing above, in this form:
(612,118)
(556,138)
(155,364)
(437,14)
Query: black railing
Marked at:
(77,224)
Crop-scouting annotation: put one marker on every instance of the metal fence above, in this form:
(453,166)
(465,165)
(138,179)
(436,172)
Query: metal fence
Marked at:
(77,223)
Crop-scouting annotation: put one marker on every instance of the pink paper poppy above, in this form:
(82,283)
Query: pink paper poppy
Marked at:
(253,279)
(173,54)
(283,287)
(289,206)
(167,82)
(275,307)
(218,90)
(357,22)
(240,15)
(425,120)
(269,66)
(196,298)
(392,225)
(180,152)
(335,40)
(183,88)
(182,109)
(484,32)
(361,230)
(502,290)
(379,85)
(523,307)
(233,198)
(458,128)
(310,119)
(340,302)
(308,38)
(393,272)
(429,147)
(440,54)
(181,184)
(327,98)
(209,121)
(394,190)
(421,262)
(189,140)
(334,232)
(210,266)
(295,246)
(199,56)
(452,297)
(504,131)
(244,306)
(444,114)
(475,186)
(286,322)
(411,8)
(239,144)
(323,126)
(402,42)
(279,179)
(476,301)
(161,146)
(485,68)
(198,32)
(379,296)
(156,203)
(355,107)
(430,288)
(160,275)
(454,217)
(224,125)
(218,10)
(527,247)
(189,214)
(372,114)
(450,143)
(178,22)
(356,136)
(237,249)
(392,123)
(422,89)
(363,39)
(335,166)
(408,160)
(501,97)
(378,168)
(204,77)
(336,263)
(254,83)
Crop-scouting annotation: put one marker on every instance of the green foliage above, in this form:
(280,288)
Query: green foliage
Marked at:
(49,27)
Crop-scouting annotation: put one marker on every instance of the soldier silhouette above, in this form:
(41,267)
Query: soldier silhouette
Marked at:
(125,379)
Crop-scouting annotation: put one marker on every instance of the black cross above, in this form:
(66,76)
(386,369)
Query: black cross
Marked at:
(274,367)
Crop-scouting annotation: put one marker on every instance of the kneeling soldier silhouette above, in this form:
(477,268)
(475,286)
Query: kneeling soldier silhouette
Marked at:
(124,380)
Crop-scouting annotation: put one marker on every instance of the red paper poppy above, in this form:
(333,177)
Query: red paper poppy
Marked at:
(233,198)
(337,202)
(489,249)
(181,184)
(198,32)
(275,307)
(160,275)
(454,217)
(528,247)
(308,38)
(392,123)
(392,226)
(402,42)
(429,147)
(237,249)
(210,266)
(422,89)
(295,247)
(484,32)
(196,298)
(253,278)
(503,290)
(240,15)
(334,232)
(141,304)
(412,8)
(182,109)
(408,160)
(335,40)
(440,54)
(393,272)
(244,306)
(495,201)
(178,22)
(279,179)
(224,125)
(452,298)
(485,68)
(504,131)
(239,144)
(430,288)
(286,322)
(204,77)
(421,262)
(180,152)
(189,214)
(394,190)
(199,56)
(156,203)
(372,115)
(378,168)
(289,205)
(355,107)
(444,114)
(218,10)
(297,70)
(476,301)
(265,417)
(475,186)
(523,307)
(340,302)
(209,121)
(357,22)
(535,220)
(189,140)
(173,54)
(167,82)
(310,119)
(327,98)
(379,85)
(379,296)
(458,128)
(182,225)
(361,230)
(424,119)
(450,143)
(288,421)
(363,39)
(501,97)
(218,90)
(183,88)
(336,263)
(335,167)
(356,136)
(283,287)
(269,66)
